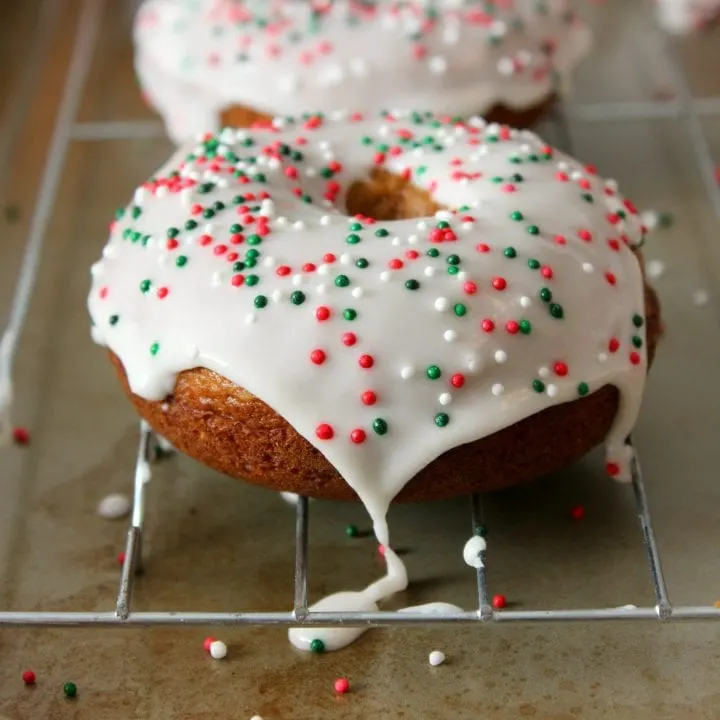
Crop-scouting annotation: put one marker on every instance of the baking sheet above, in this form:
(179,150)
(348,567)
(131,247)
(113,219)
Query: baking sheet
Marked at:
(213,544)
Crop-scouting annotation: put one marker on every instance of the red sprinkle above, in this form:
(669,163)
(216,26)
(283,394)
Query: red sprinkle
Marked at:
(28,677)
(560,369)
(613,345)
(585,235)
(577,512)
(457,380)
(329,258)
(635,358)
(162,292)
(350,339)
(237,280)
(322,313)
(612,469)
(610,278)
(499,602)
(369,397)
(366,361)
(342,685)
(358,436)
(283,270)
(324,431)
(482,247)
(121,558)
(499,283)
(560,239)
(512,327)
(207,642)
(21,436)
(395,264)
(318,356)
(487,325)
(470,287)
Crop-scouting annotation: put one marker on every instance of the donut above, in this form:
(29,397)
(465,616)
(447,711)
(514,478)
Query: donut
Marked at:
(200,63)
(399,306)
(684,16)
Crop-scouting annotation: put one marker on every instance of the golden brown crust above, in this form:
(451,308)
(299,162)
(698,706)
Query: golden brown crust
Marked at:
(227,428)
(239,116)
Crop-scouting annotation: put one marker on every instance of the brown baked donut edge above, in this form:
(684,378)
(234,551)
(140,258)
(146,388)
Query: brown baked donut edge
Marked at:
(240,116)
(225,427)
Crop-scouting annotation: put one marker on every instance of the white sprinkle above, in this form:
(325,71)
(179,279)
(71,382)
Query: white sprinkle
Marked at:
(323,269)
(357,292)
(552,390)
(441,304)
(298,279)
(407,372)
(506,66)
(325,220)
(544,372)
(436,657)
(164,407)
(525,301)
(498,389)
(281,220)
(250,318)
(701,298)
(277,295)
(218,649)
(396,241)
(437,65)
(602,357)
(114,506)
(298,225)
(421,226)
(385,275)
(97,269)
(413,240)
(472,363)
(216,279)
(650,219)
(466,226)
(346,258)
(445,398)
(321,289)
(588,268)
(358,67)
(450,335)
(256,717)
(269,261)
(161,192)
(472,552)
(500,356)
(429,271)
(655,269)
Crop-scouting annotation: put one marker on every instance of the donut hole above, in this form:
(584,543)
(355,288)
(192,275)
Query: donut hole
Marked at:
(385,196)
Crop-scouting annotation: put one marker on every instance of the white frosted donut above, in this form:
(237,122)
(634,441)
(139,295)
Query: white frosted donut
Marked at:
(682,16)
(195,58)
(384,344)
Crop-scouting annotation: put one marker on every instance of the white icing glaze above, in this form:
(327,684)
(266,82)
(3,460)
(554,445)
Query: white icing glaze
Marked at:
(473,550)
(369,388)
(682,16)
(194,58)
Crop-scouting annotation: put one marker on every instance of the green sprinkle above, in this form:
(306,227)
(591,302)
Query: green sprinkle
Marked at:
(443,225)
(442,419)
(145,285)
(380,426)
(556,311)
(190,225)
(70,689)
(637,341)
(317,646)
(342,281)
(352,239)
(638,321)
(453,269)
(533,230)
(297,297)
(349,314)
(136,212)
(459,309)
(235,228)
(453,259)
(154,348)
(356,226)
(252,253)
(113,320)
(510,252)
(538,386)
(412,284)
(173,232)
(481,530)
(381,232)
(533,264)
(433,252)
(254,240)
(351,531)
(181,260)
(525,327)
(517,216)
(583,389)
(208,213)
(545,294)
(260,301)
(252,280)
(362,263)
(433,372)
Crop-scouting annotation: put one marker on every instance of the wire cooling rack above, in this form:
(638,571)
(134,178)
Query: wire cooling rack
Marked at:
(67,129)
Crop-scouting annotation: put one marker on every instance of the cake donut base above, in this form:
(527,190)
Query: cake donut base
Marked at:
(230,430)
(521,118)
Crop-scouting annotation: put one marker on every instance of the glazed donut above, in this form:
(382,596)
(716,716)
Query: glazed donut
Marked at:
(472,315)
(199,59)
(683,16)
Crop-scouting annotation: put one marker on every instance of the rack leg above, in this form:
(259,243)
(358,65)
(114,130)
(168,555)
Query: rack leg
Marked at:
(478,527)
(301,553)
(132,564)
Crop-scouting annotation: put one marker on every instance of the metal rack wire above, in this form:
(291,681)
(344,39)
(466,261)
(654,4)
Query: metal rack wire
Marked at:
(68,129)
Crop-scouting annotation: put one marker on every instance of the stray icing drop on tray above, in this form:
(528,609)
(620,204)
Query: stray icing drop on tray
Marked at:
(384,344)
(194,60)
(473,550)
